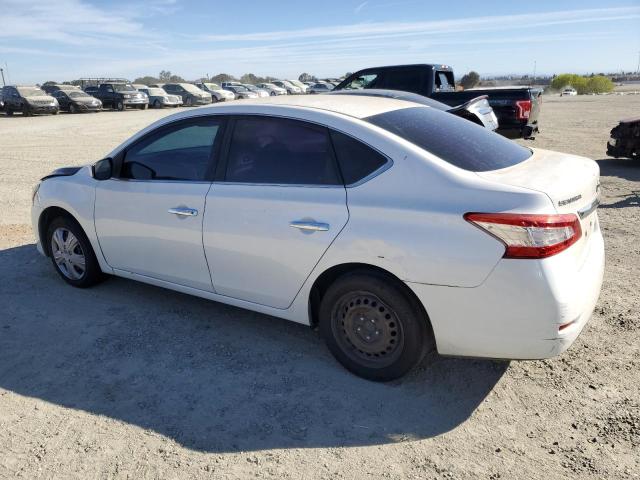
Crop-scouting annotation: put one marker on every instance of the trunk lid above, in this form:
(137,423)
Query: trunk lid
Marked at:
(572,184)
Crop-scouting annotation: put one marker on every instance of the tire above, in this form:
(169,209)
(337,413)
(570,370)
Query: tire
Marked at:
(144,106)
(188,102)
(214,99)
(9,112)
(56,112)
(373,327)
(119,105)
(157,104)
(25,111)
(273,94)
(72,108)
(67,245)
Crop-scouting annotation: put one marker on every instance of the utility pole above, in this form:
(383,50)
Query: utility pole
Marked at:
(2,72)
(535,64)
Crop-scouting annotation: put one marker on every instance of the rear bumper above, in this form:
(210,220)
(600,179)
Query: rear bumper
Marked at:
(517,131)
(516,313)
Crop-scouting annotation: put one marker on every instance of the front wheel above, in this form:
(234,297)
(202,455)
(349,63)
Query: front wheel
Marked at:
(373,327)
(157,104)
(72,254)
(119,105)
(188,102)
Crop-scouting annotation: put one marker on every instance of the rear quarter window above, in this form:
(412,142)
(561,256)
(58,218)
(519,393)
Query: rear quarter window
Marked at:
(453,139)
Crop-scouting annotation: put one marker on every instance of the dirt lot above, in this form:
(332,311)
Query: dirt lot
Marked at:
(130,381)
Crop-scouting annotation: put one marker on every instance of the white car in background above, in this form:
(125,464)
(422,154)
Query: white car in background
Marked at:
(218,94)
(272,89)
(395,227)
(303,87)
(261,92)
(569,92)
(288,86)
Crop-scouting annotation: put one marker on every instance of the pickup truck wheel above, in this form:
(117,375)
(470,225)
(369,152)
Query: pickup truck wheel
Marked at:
(119,105)
(25,111)
(157,104)
(373,327)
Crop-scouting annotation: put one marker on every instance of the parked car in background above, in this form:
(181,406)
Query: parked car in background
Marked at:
(517,108)
(394,227)
(76,101)
(261,92)
(303,88)
(191,95)
(119,96)
(288,86)
(139,86)
(569,92)
(59,86)
(241,91)
(158,98)
(218,94)
(29,100)
(320,87)
(272,89)
(91,89)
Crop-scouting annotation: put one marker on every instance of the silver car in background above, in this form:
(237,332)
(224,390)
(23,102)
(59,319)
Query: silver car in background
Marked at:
(262,93)
(320,87)
(272,89)
(288,86)
(303,88)
(158,98)
(241,91)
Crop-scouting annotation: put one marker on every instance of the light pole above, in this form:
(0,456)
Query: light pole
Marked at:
(2,72)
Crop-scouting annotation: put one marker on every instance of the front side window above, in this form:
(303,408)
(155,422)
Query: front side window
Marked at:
(280,151)
(178,152)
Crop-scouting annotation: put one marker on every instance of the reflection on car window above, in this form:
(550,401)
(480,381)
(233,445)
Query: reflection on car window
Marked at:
(451,138)
(180,152)
(280,151)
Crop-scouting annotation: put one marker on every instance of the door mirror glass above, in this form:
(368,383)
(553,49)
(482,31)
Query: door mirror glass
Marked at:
(103,169)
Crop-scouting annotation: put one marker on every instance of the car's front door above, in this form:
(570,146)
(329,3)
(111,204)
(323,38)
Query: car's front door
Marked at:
(276,211)
(149,218)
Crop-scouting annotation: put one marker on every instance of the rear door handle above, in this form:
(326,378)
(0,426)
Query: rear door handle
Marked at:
(309,226)
(183,211)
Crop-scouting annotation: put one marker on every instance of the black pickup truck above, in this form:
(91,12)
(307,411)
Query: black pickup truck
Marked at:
(516,108)
(119,96)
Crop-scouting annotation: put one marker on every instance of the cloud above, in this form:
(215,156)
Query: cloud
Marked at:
(359,8)
(473,24)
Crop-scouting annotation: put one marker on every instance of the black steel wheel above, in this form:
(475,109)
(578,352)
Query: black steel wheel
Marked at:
(374,326)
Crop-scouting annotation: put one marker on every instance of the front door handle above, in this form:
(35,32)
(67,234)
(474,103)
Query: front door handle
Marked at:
(184,211)
(310,226)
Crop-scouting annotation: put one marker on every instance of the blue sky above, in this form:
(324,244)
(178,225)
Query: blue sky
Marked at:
(66,39)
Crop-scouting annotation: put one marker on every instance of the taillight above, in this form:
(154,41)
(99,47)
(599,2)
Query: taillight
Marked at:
(529,235)
(523,109)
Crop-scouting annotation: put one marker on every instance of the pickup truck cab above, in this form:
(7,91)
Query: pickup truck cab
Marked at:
(516,107)
(120,96)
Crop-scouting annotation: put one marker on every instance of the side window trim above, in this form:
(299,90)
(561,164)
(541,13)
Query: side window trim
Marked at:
(222,167)
(120,157)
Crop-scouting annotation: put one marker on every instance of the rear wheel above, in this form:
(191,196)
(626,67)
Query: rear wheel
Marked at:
(373,327)
(188,102)
(72,108)
(25,111)
(119,105)
(157,104)
(71,253)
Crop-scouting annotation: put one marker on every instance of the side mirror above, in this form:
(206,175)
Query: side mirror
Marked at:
(103,169)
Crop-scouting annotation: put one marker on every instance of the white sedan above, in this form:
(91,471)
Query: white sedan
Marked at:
(394,227)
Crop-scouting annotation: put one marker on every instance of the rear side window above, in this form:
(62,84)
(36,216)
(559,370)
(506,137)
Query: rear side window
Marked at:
(405,79)
(179,152)
(357,161)
(280,151)
(453,139)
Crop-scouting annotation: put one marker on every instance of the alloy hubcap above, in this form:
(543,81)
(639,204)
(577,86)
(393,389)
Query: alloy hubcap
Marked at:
(68,254)
(368,328)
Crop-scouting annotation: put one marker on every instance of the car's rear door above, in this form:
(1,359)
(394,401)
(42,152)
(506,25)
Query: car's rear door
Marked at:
(274,211)
(149,218)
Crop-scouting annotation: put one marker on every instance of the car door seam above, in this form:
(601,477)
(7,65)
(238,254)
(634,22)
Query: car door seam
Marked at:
(204,250)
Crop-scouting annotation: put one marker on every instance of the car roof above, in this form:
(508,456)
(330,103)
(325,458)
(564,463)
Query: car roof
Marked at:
(357,106)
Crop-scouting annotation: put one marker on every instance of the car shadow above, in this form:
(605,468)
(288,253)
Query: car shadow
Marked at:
(620,167)
(212,377)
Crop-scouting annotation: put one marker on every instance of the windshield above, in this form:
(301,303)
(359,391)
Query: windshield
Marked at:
(238,88)
(190,88)
(156,91)
(253,88)
(119,87)
(453,139)
(77,94)
(212,86)
(30,91)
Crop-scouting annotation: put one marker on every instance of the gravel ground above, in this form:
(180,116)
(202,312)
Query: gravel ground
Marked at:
(127,380)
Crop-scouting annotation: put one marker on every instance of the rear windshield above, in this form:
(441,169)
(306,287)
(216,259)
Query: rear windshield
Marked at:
(453,139)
